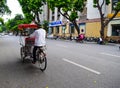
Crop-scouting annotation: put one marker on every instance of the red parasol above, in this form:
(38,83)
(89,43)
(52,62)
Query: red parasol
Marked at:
(22,26)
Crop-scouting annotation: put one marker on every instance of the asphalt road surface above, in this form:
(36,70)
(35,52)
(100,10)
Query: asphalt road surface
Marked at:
(70,65)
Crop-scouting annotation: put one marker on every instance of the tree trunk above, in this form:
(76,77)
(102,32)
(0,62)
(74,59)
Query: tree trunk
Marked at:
(76,27)
(73,21)
(102,33)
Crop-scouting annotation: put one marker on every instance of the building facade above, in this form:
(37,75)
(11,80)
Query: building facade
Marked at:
(45,13)
(113,29)
(88,22)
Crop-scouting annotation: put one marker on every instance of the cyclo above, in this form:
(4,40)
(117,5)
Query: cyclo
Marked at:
(27,45)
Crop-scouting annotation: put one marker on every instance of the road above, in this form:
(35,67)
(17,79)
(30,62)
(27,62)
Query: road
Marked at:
(70,65)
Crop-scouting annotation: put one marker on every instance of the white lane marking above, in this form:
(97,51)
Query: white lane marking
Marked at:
(61,45)
(110,54)
(86,68)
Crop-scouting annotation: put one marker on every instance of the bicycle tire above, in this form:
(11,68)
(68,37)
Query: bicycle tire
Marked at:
(22,53)
(42,60)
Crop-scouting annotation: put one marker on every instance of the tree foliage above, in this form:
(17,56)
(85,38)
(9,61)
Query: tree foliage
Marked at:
(32,9)
(2,27)
(2,21)
(4,9)
(68,8)
(45,25)
(12,24)
(104,20)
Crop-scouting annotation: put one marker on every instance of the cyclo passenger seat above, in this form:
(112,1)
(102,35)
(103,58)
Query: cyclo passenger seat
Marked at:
(29,41)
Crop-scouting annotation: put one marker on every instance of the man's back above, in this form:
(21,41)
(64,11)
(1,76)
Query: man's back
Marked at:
(40,35)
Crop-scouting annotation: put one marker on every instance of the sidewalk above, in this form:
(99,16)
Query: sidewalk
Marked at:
(86,42)
(113,44)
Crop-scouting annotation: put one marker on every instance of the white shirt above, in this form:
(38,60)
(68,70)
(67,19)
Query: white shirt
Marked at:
(100,39)
(39,35)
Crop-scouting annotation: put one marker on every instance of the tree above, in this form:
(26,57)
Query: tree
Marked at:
(1,21)
(12,24)
(104,21)
(4,9)
(32,9)
(1,24)
(45,25)
(68,8)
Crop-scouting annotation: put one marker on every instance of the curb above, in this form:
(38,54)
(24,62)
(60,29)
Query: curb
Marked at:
(112,44)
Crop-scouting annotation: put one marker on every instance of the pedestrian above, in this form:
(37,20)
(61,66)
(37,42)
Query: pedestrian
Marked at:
(100,40)
(39,35)
(81,36)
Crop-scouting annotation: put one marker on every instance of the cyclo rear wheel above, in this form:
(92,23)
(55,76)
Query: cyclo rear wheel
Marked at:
(22,53)
(42,60)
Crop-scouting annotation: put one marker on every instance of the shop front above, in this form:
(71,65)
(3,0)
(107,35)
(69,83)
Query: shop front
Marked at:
(113,31)
(55,27)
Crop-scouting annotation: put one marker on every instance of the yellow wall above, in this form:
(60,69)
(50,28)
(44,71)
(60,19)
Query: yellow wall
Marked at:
(93,29)
(111,14)
(54,31)
(60,30)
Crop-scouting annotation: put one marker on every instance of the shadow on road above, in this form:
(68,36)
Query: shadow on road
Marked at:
(17,67)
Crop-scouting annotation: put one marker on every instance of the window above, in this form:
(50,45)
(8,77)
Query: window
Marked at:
(57,29)
(58,17)
(53,12)
(51,30)
(72,28)
(116,30)
(52,18)
(53,15)
(63,28)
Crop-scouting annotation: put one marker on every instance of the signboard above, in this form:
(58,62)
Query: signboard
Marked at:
(55,23)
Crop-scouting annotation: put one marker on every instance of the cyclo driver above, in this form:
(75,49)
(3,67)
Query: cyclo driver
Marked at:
(39,35)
